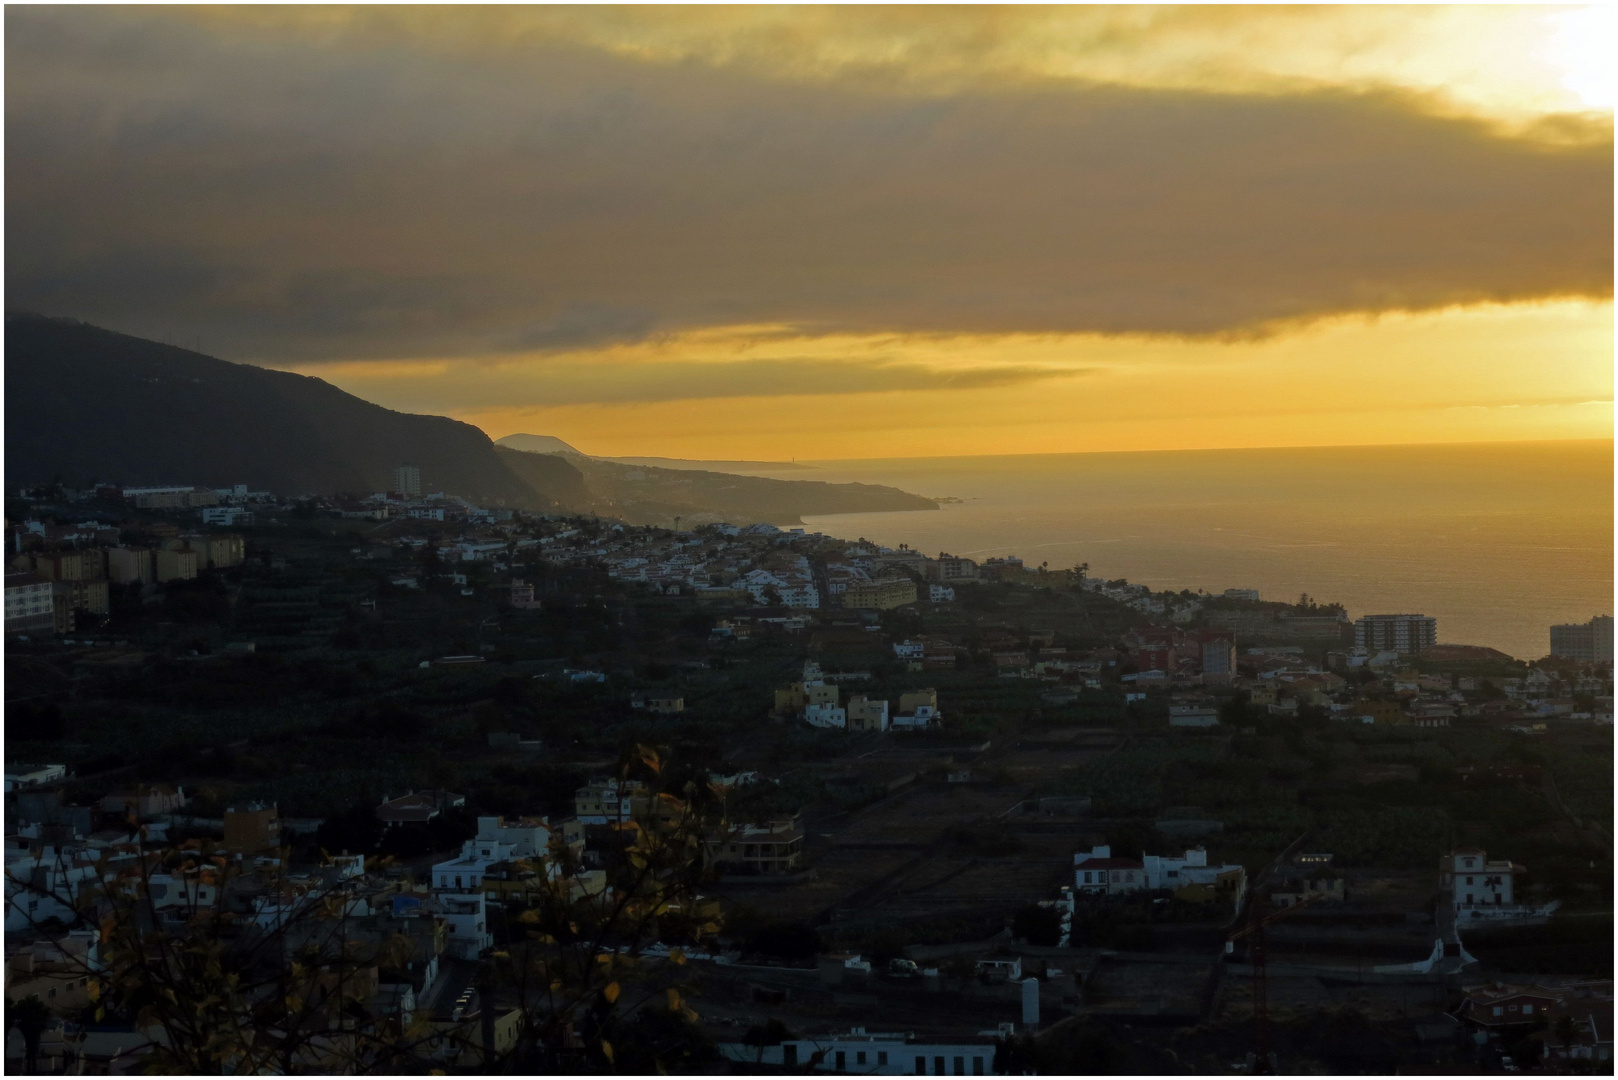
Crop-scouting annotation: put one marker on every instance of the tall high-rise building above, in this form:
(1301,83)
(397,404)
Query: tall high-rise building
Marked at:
(1396,633)
(1590,642)
(407,481)
(1219,659)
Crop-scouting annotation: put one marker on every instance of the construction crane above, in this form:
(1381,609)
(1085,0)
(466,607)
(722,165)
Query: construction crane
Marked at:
(1259,915)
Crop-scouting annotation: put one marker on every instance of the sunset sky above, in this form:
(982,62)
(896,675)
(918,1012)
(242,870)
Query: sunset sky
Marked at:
(845,232)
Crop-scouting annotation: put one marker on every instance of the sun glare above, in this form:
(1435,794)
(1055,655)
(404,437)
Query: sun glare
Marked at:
(1581,52)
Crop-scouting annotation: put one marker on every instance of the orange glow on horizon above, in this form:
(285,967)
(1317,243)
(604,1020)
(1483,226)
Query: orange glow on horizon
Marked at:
(1482,374)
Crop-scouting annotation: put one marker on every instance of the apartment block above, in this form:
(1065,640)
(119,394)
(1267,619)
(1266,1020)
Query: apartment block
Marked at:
(882,595)
(126,565)
(1590,642)
(175,565)
(1397,633)
(29,604)
(407,481)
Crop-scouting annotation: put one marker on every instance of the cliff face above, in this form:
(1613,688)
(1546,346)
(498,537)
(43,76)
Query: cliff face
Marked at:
(85,404)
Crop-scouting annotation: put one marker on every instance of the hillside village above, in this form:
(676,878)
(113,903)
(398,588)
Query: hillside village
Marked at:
(951,815)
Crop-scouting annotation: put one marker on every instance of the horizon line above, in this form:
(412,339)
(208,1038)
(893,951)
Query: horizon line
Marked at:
(1609,440)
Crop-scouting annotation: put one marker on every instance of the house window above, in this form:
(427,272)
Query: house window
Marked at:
(1514,1008)
(842,1061)
(938,1066)
(789,1053)
(977,1066)
(859,1058)
(1528,1010)
(881,1057)
(1498,1011)
(1469,881)
(921,1066)
(960,1066)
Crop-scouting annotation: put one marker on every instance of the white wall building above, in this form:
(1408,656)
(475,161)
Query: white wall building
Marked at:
(1475,882)
(924,716)
(826,715)
(1199,716)
(862,1054)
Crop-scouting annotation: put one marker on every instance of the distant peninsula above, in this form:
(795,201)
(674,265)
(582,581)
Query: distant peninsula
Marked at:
(700,492)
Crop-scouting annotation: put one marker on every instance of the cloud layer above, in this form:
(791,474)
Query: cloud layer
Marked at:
(294,199)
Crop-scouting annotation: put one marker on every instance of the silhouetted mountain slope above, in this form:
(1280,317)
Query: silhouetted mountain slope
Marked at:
(85,404)
(646,495)
(553,474)
(538,444)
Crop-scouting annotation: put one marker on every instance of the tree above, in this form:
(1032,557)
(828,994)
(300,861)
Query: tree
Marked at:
(1566,1029)
(30,1017)
(1038,925)
(785,941)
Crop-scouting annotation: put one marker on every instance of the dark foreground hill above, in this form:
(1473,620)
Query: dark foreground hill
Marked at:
(85,404)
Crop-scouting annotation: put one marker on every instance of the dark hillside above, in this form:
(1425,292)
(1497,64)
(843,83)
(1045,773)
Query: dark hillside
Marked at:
(85,404)
(553,474)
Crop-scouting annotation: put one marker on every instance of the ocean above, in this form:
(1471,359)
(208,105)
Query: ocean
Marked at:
(1497,541)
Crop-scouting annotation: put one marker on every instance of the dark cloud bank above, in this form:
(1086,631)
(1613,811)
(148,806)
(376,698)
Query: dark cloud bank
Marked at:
(290,202)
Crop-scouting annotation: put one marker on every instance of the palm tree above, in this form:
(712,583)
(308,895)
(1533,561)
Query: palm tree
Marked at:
(1567,1029)
(31,1017)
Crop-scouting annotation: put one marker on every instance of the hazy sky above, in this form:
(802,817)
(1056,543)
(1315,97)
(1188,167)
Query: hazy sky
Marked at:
(822,232)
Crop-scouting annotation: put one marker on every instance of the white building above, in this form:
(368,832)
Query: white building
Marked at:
(920,718)
(1198,716)
(23,777)
(495,842)
(226,515)
(826,715)
(466,918)
(1171,872)
(859,1053)
(940,594)
(1475,882)
(1241,594)
(1096,872)
(46,885)
(29,607)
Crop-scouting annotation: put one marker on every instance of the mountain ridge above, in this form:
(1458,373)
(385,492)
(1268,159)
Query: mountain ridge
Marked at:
(87,405)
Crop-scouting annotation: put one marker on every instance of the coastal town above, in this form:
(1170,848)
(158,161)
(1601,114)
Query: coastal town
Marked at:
(945,816)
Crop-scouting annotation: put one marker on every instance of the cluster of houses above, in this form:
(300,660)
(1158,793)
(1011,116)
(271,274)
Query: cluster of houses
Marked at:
(1572,1018)
(64,865)
(763,565)
(817,699)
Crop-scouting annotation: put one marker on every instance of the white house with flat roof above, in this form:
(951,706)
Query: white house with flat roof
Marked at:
(859,1053)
